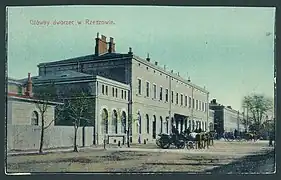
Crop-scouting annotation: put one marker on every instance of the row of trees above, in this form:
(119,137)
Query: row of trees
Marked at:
(258,107)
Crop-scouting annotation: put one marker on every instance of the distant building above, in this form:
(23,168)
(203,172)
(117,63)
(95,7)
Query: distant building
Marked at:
(21,105)
(211,119)
(154,99)
(226,119)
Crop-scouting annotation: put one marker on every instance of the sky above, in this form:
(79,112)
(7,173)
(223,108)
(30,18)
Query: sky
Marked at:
(228,50)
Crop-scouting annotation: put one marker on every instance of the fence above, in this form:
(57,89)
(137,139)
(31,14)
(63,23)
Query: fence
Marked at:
(26,137)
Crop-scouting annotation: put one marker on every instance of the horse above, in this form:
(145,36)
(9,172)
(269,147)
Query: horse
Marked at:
(251,136)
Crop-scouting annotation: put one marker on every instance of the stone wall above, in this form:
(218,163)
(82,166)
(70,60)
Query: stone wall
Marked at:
(26,137)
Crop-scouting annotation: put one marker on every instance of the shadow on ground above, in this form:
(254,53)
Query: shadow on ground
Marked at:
(255,164)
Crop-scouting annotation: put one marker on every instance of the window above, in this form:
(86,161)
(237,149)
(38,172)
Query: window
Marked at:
(139,86)
(139,118)
(161,92)
(125,94)
(196,104)
(199,104)
(34,118)
(106,90)
(189,102)
(154,91)
(147,89)
(122,94)
(185,101)
(113,91)
(116,92)
(177,98)
(206,108)
(161,124)
(203,104)
(167,93)
(102,89)
(172,98)
(147,124)
(181,99)
(193,103)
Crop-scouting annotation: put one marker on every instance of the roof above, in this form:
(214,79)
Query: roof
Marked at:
(179,78)
(60,75)
(14,81)
(91,57)
(28,98)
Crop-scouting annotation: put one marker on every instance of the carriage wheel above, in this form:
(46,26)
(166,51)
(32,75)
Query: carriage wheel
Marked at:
(165,146)
(180,145)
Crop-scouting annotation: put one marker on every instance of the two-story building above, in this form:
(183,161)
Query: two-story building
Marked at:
(156,98)
(109,100)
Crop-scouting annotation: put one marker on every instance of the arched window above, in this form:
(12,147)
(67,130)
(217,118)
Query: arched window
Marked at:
(161,124)
(114,122)
(139,119)
(154,127)
(105,120)
(124,124)
(35,118)
(193,125)
(147,124)
(167,126)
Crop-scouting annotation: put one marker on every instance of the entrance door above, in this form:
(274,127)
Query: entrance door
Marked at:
(181,124)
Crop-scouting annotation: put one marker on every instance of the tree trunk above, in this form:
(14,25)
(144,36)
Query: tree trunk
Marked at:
(42,134)
(75,139)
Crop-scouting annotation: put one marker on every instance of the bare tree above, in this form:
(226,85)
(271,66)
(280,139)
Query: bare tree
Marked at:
(258,106)
(77,106)
(44,95)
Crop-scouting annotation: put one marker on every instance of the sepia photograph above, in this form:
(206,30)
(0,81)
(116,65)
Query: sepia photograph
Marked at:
(140,89)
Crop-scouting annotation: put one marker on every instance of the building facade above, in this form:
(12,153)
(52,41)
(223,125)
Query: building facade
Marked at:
(156,98)
(227,119)
(211,119)
(23,108)
(109,101)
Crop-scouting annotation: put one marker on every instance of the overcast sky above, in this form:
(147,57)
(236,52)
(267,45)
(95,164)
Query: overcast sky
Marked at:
(228,50)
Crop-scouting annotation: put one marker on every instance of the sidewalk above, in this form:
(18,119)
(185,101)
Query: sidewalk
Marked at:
(53,150)
(70,149)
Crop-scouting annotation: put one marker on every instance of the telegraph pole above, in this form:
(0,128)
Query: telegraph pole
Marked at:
(247,121)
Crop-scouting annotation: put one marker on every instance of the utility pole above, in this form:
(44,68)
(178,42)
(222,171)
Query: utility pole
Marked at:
(243,116)
(238,121)
(247,120)
(192,121)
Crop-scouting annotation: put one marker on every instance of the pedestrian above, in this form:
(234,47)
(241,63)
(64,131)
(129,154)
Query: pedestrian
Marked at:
(270,139)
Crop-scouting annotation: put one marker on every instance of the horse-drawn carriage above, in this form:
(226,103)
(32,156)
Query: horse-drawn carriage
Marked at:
(186,139)
(242,136)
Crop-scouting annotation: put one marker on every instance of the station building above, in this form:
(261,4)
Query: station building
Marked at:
(146,98)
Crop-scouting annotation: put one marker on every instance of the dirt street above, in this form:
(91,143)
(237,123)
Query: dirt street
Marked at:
(137,159)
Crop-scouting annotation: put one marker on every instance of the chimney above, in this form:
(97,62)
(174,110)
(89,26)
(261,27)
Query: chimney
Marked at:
(164,67)
(148,59)
(214,101)
(29,86)
(178,73)
(111,48)
(130,51)
(172,71)
(188,79)
(156,63)
(101,45)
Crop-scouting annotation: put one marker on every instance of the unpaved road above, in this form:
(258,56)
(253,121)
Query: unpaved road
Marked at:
(217,159)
